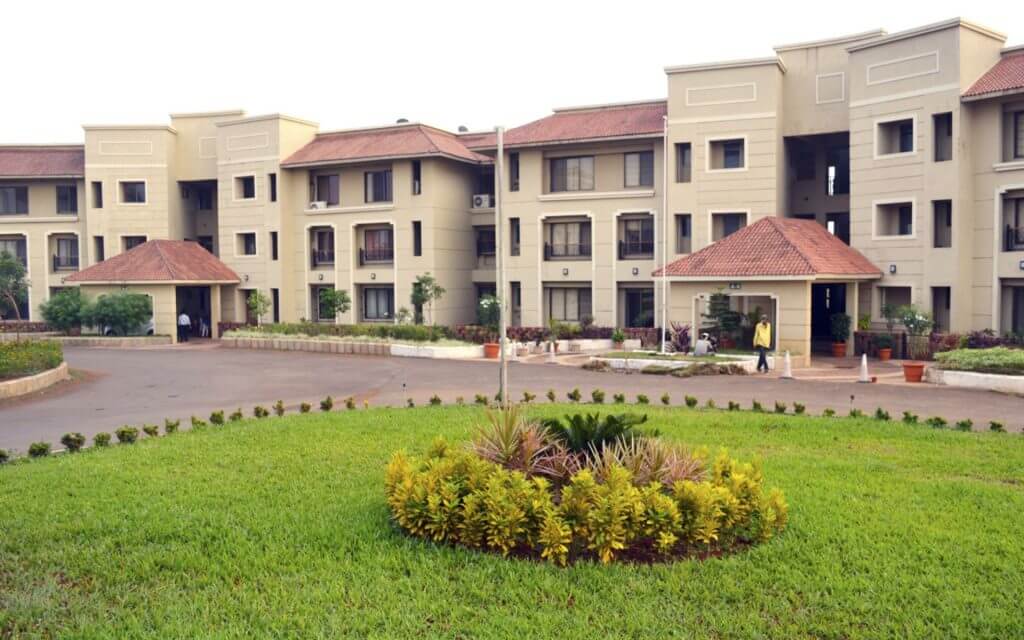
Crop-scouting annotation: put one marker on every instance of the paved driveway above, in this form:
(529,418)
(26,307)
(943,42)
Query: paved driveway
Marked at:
(146,385)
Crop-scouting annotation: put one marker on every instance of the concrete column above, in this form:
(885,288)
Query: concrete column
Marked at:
(214,310)
(852,303)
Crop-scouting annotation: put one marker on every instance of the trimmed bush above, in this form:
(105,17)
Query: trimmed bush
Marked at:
(101,439)
(666,399)
(734,406)
(460,401)
(998,360)
(20,358)
(397,332)
(691,402)
(127,435)
(197,422)
(597,396)
(936,422)
(710,404)
(909,417)
(657,370)
(151,430)
(882,414)
(171,426)
(305,407)
(856,413)
(327,404)
(780,407)
(39,449)
(619,398)
(73,441)
(964,425)
(435,400)
(642,399)
(756,406)
(236,415)
(574,395)
(259,411)
(410,403)
(481,399)
(217,417)
(996,427)
(4,456)
(528,397)
(279,408)
(829,413)
(799,408)
(550,395)
(350,403)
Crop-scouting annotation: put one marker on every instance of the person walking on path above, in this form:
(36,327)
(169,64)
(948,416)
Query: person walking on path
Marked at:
(762,342)
(184,326)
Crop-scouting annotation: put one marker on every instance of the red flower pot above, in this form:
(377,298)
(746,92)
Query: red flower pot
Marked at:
(838,349)
(491,350)
(884,354)
(913,371)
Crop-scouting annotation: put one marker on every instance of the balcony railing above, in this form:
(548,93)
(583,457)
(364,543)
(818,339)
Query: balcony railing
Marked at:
(323,258)
(1014,239)
(380,255)
(566,251)
(485,248)
(633,249)
(65,263)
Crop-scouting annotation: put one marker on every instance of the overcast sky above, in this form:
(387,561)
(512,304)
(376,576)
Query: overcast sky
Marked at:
(347,64)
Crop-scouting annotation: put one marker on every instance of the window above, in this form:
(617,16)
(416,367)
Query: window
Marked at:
(567,240)
(942,225)
(245,188)
(246,244)
(941,299)
(377,246)
(320,311)
(639,307)
(417,178)
(13,200)
(204,199)
(894,136)
(1018,135)
(942,128)
(639,168)
(133,192)
(377,186)
(895,297)
(724,225)
(98,250)
(417,238)
(275,301)
(14,246)
(568,304)
(894,219)
(326,189)
(130,242)
(66,256)
(513,236)
(484,241)
(97,194)
(684,161)
(273,245)
(637,238)
(572,174)
(727,154)
(378,303)
(513,171)
(323,247)
(684,233)
(272,181)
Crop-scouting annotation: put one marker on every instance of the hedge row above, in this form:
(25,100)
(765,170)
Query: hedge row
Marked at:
(23,326)
(999,360)
(28,357)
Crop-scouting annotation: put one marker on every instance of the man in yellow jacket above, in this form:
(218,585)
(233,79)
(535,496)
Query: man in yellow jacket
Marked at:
(762,342)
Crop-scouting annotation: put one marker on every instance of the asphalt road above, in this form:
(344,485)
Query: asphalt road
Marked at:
(137,386)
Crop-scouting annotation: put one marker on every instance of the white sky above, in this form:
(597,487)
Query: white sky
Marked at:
(349,64)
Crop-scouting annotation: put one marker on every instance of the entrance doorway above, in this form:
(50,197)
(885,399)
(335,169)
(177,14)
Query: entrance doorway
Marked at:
(826,301)
(195,302)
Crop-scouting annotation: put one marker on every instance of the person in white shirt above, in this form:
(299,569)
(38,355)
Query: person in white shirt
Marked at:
(703,346)
(184,327)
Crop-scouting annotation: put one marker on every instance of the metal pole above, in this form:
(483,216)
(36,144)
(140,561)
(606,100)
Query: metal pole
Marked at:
(499,252)
(664,232)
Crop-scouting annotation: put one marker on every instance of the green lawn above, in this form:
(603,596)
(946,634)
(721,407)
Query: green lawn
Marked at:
(278,528)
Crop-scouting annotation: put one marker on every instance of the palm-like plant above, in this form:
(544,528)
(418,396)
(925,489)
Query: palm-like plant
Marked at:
(648,460)
(512,441)
(583,432)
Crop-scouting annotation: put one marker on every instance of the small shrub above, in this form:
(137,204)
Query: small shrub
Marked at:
(996,426)
(480,399)
(597,396)
(666,399)
(642,399)
(710,404)
(151,430)
(327,404)
(596,365)
(574,395)
(619,398)
(410,403)
(236,415)
(435,400)
(829,413)
(756,406)
(4,456)
(39,449)
(780,407)
(882,414)
(350,403)
(366,403)
(171,426)
(460,401)
(936,422)
(198,423)
(101,439)
(305,407)
(964,425)
(279,408)
(909,417)
(856,413)
(657,370)
(799,408)
(127,435)
(259,411)
(528,397)
(217,417)
(551,395)
(73,441)
(691,402)
(734,406)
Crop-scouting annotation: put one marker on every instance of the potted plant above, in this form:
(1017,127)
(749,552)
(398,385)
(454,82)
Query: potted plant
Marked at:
(487,313)
(884,342)
(918,323)
(618,339)
(840,334)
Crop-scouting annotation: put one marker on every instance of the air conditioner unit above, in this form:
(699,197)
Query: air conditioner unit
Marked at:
(481,200)
(318,204)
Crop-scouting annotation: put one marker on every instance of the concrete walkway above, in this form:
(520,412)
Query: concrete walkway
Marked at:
(140,386)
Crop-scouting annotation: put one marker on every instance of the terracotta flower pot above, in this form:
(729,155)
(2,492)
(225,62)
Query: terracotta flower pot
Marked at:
(491,350)
(884,354)
(618,346)
(838,349)
(913,371)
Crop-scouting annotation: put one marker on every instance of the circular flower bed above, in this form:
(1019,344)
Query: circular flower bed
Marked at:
(586,487)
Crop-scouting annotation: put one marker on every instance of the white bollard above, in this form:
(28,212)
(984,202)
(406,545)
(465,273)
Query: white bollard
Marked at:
(787,368)
(864,377)
(551,355)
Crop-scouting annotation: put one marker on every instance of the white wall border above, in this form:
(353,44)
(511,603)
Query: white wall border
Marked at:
(867,71)
(817,87)
(711,103)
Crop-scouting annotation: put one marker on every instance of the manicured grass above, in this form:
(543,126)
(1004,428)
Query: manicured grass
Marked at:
(1000,360)
(645,355)
(278,528)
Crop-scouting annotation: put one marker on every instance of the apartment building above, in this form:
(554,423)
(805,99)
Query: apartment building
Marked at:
(908,148)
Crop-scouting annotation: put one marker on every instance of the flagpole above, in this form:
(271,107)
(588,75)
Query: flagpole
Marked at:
(499,252)
(664,232)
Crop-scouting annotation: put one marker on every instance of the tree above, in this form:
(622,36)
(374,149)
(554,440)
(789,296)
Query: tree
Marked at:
(720,319)
(121,312)
(425,290)
(13,285)
(334,301)
(259,304)
(67,310)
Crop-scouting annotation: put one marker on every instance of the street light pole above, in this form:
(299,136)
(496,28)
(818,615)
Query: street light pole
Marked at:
(499,252)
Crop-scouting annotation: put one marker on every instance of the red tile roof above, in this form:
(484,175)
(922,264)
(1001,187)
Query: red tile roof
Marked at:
(478,139)
(1007,75)
(42,161)
(644,119)
(159,261)
(399,141)
(775,246)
